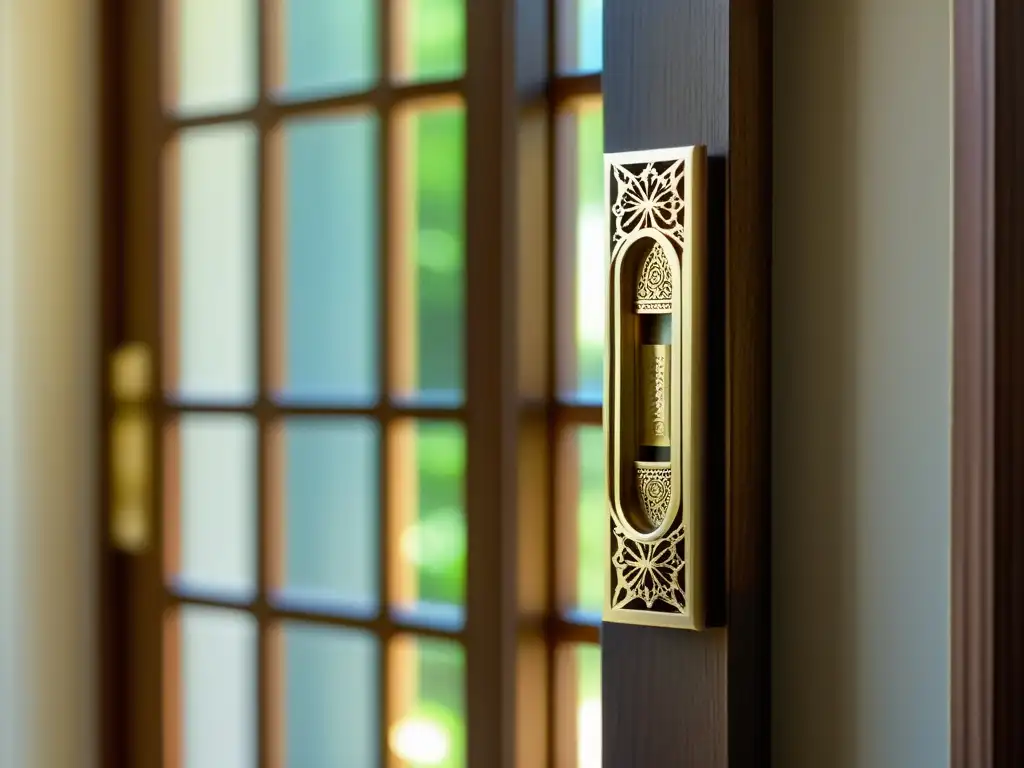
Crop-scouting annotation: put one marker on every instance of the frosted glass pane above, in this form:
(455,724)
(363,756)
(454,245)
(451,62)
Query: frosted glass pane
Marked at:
(217,64)
(590,268)
(329,46)
(590,521)
(432,39)
(580,35)
(216,264)
(218,504)
(332,259)
(429,484)
(331,694)
(431,368)
(581,135)
(218,668)
(429,726)
(332,512)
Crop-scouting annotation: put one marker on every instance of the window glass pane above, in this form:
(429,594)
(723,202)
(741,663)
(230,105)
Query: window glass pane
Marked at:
(428,481)
(428,299)
(211,275)
(582,136)
(216,50)
(588,707)
(580,35)
(330,696)
(218,678)
(216,492)
(328,46)
(428,727)
(330,290)
(430,39)
(331,513)
(591,518)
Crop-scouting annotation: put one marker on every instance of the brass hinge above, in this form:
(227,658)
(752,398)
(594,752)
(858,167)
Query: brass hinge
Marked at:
(131,455)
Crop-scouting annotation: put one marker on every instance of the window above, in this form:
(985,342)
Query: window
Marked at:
(304,189)
(578,361)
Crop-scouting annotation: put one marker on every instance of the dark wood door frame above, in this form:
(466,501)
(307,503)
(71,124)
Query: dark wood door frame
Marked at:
(700,72)
(988,386)
(113,567)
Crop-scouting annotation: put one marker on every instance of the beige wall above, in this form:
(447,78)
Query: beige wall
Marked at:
(47,394)
(861,379)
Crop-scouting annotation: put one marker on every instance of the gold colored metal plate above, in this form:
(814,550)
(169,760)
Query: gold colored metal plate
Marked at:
(130,374)
(131,454)
(654,392)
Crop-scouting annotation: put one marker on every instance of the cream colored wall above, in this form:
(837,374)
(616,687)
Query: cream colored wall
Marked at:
(47,395)
(861,381)
(9,680)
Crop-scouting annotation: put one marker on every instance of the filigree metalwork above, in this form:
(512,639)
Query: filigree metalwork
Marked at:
(654,417)
(654,486)
(654,283)
(650,573)
(649,196)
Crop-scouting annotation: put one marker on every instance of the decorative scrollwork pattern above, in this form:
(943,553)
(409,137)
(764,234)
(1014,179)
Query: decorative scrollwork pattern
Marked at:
(654,486)
(659,401)
(649,198)
(651,573)
(654,283)
(654,561)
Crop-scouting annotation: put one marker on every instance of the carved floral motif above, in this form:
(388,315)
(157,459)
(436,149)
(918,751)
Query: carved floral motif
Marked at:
(649,572)
(649,199)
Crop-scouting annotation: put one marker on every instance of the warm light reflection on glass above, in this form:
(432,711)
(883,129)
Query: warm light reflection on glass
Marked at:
(427,683)
(420,741)
(428,467)
(588,728)
(438,542)
(587,671)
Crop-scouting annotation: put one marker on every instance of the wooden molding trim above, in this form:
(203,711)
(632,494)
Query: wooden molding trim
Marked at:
(112,645)
(987,632)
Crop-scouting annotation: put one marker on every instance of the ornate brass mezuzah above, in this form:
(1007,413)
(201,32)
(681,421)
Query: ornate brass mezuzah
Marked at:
(654,386)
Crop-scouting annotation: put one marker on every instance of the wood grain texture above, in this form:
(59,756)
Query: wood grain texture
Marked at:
(141,322)
(988,387)
(1008,529)
(680,72)
(112,672)
(1008,465)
